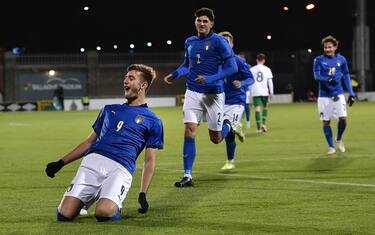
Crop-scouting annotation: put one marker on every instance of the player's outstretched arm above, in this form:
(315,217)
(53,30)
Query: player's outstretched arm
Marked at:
(228,68)
(247,78)
(147,174)
(182,70)
(270,88)
(53,167)
(348,84)
(247,82)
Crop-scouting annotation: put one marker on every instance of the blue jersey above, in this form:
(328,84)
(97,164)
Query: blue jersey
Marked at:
(124,131)
(335,67)
(204,56)
(234,95)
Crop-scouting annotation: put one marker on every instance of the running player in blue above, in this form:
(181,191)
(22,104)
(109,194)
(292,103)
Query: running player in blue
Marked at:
(120,133)
(235,101)
(248,97)
(248,107)
(329,70)
(208,59)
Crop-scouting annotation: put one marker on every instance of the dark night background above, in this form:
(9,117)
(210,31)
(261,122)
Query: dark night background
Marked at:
(63,26)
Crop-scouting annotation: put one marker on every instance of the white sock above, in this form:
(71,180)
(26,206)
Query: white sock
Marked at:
(188,175)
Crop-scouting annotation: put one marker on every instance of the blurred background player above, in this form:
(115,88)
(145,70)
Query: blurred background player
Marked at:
(261,91)
(208,59)
(1,97)
(235,101)
(248,98)
(58,98)
(119,135)
(329,70)
(85,100)
(248,106)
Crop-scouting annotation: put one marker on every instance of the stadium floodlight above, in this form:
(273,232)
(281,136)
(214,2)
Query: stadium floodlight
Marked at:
(286,8)
(86,8)
(52,73)
(132,46)
(169,42)
(82,49)
(18,50)
(98,48)
(115,46)
(149,44)
(310,6)
(269,37)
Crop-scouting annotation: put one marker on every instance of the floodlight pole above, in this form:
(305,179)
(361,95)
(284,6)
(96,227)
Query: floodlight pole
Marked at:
(361,47)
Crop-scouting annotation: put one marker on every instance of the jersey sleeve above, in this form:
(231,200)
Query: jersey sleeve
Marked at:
(246,74)
(344,68)
(229,65)
(317,71)
(347,80)
(270,74)
(97,126)
(156,138)
(224,48)
(270,86)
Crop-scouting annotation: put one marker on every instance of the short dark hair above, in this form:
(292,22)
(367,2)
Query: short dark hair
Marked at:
(147,71)
(331,39)
(204,11)
(261,56)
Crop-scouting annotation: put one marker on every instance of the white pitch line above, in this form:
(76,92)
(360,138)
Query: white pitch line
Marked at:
(18,124)
(257,160)
(280,179)
(332,183)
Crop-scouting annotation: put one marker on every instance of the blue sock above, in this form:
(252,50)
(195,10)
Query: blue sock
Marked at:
(61,217)
(112,218)
(189,155)
(340,129)
(231,148)
(225,130)
(247,112)
(328,134)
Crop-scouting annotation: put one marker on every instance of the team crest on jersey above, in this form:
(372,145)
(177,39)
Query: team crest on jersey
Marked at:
(338,63)
(207,46)
(139,119)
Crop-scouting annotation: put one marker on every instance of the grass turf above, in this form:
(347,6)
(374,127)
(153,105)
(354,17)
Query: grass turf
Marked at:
(284,183)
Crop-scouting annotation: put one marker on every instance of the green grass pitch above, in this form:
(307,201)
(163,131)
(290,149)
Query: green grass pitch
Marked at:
(284,183)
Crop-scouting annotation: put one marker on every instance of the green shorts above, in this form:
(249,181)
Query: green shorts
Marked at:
(258,100)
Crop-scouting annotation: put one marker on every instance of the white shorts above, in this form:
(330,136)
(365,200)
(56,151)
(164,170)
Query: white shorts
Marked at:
(100,177)
(330,109)
(234,114)
(210,105)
